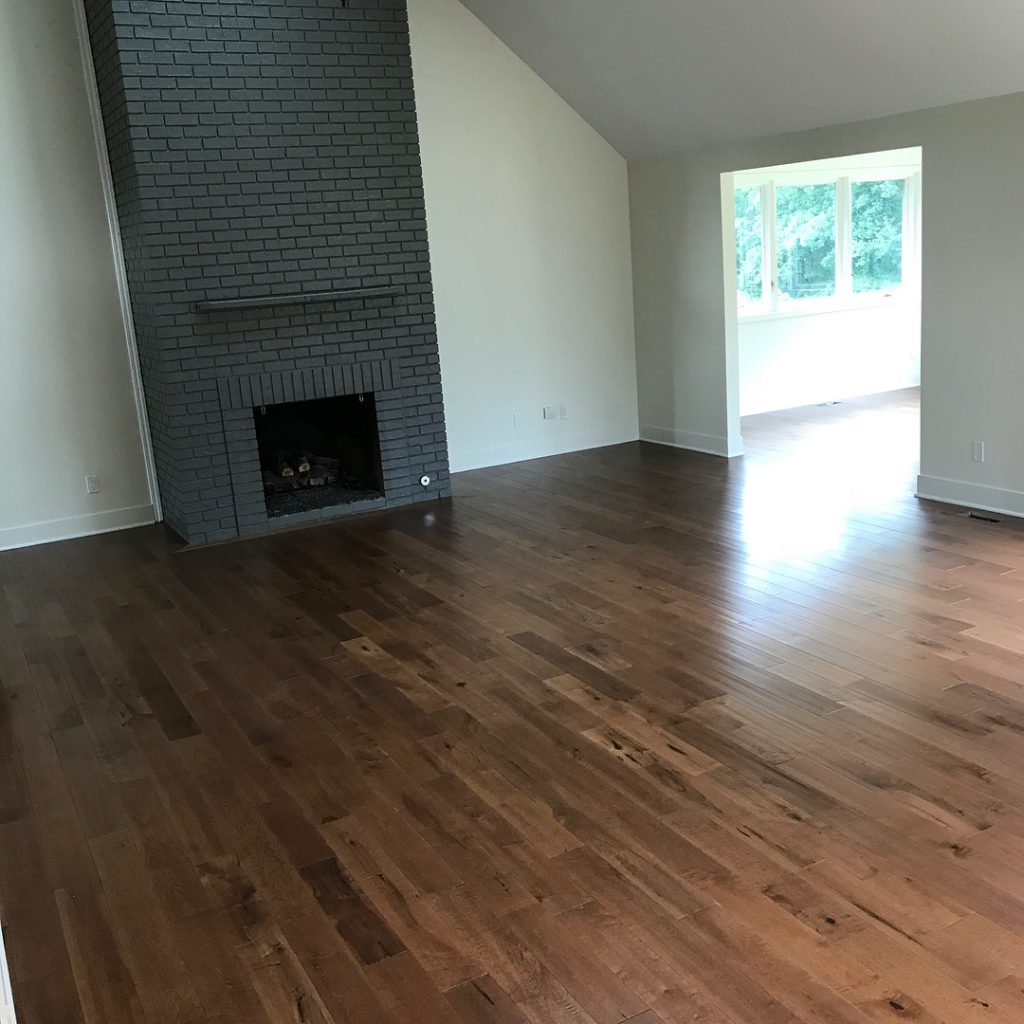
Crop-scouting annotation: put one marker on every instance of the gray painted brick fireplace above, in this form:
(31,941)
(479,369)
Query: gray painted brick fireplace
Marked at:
(265,153)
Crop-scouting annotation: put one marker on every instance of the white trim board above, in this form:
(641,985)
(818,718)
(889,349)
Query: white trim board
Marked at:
(7,1015)
(968,495)
(120,269)
(708,444)
(540,448)
(75,526)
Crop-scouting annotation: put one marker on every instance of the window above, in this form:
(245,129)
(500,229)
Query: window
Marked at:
(822,243)
(749,246)
(805,229)
(877,214)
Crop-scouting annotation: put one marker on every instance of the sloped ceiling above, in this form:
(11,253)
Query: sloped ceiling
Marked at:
(658,76)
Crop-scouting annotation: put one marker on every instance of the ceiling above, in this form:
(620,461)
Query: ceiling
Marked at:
(658,76)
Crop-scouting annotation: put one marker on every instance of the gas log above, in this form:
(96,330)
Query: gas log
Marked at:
(318,453)
(294,474)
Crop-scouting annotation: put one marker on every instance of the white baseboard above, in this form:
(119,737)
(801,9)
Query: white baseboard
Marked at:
(709,444)
(540,448)
(979,496)
(75,526)
(6,999)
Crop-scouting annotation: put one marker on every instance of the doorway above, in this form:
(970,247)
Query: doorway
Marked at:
(825,285)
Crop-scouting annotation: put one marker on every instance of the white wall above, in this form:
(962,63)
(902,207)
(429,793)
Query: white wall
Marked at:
(790,361)
(973,303)
(66,400)
(527,209)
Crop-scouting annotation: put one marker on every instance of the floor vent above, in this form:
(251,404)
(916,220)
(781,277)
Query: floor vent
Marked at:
(6,999)
(981,518)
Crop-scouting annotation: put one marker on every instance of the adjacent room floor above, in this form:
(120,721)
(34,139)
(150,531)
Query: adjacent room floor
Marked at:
(630,734)
(810,474)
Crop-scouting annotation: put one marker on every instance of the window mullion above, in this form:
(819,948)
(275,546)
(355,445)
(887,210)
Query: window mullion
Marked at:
(844,238)
(770,261)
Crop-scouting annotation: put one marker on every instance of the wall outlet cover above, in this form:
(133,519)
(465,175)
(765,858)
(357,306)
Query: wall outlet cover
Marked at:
(551,412)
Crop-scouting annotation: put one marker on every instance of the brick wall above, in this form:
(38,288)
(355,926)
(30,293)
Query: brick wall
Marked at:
(260,148)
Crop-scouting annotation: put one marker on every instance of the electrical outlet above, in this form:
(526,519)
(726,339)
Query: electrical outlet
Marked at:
(977,451)
(517,420)
(563,413)
(551,412)
(92,485)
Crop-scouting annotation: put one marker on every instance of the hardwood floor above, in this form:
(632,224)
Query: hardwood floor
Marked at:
(631,734)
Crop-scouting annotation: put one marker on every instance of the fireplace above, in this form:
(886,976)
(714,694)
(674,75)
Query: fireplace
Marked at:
(319,454)
(265,162)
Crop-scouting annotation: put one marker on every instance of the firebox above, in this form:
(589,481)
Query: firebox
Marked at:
(319,453)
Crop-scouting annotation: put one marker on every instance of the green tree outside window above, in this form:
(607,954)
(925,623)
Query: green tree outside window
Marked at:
(877,234)
(805,225)
(749,246)
(805,243)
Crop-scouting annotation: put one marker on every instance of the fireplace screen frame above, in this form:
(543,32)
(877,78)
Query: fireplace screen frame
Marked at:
(240,395)
(318,453)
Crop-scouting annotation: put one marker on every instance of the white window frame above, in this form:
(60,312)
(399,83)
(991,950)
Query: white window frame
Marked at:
(845,298)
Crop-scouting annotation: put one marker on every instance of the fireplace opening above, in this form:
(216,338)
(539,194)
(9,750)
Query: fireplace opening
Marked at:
(319,453)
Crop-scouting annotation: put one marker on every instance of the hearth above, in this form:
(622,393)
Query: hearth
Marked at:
(319,454)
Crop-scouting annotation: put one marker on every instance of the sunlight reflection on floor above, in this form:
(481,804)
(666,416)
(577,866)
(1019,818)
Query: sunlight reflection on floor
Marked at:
(812,472)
